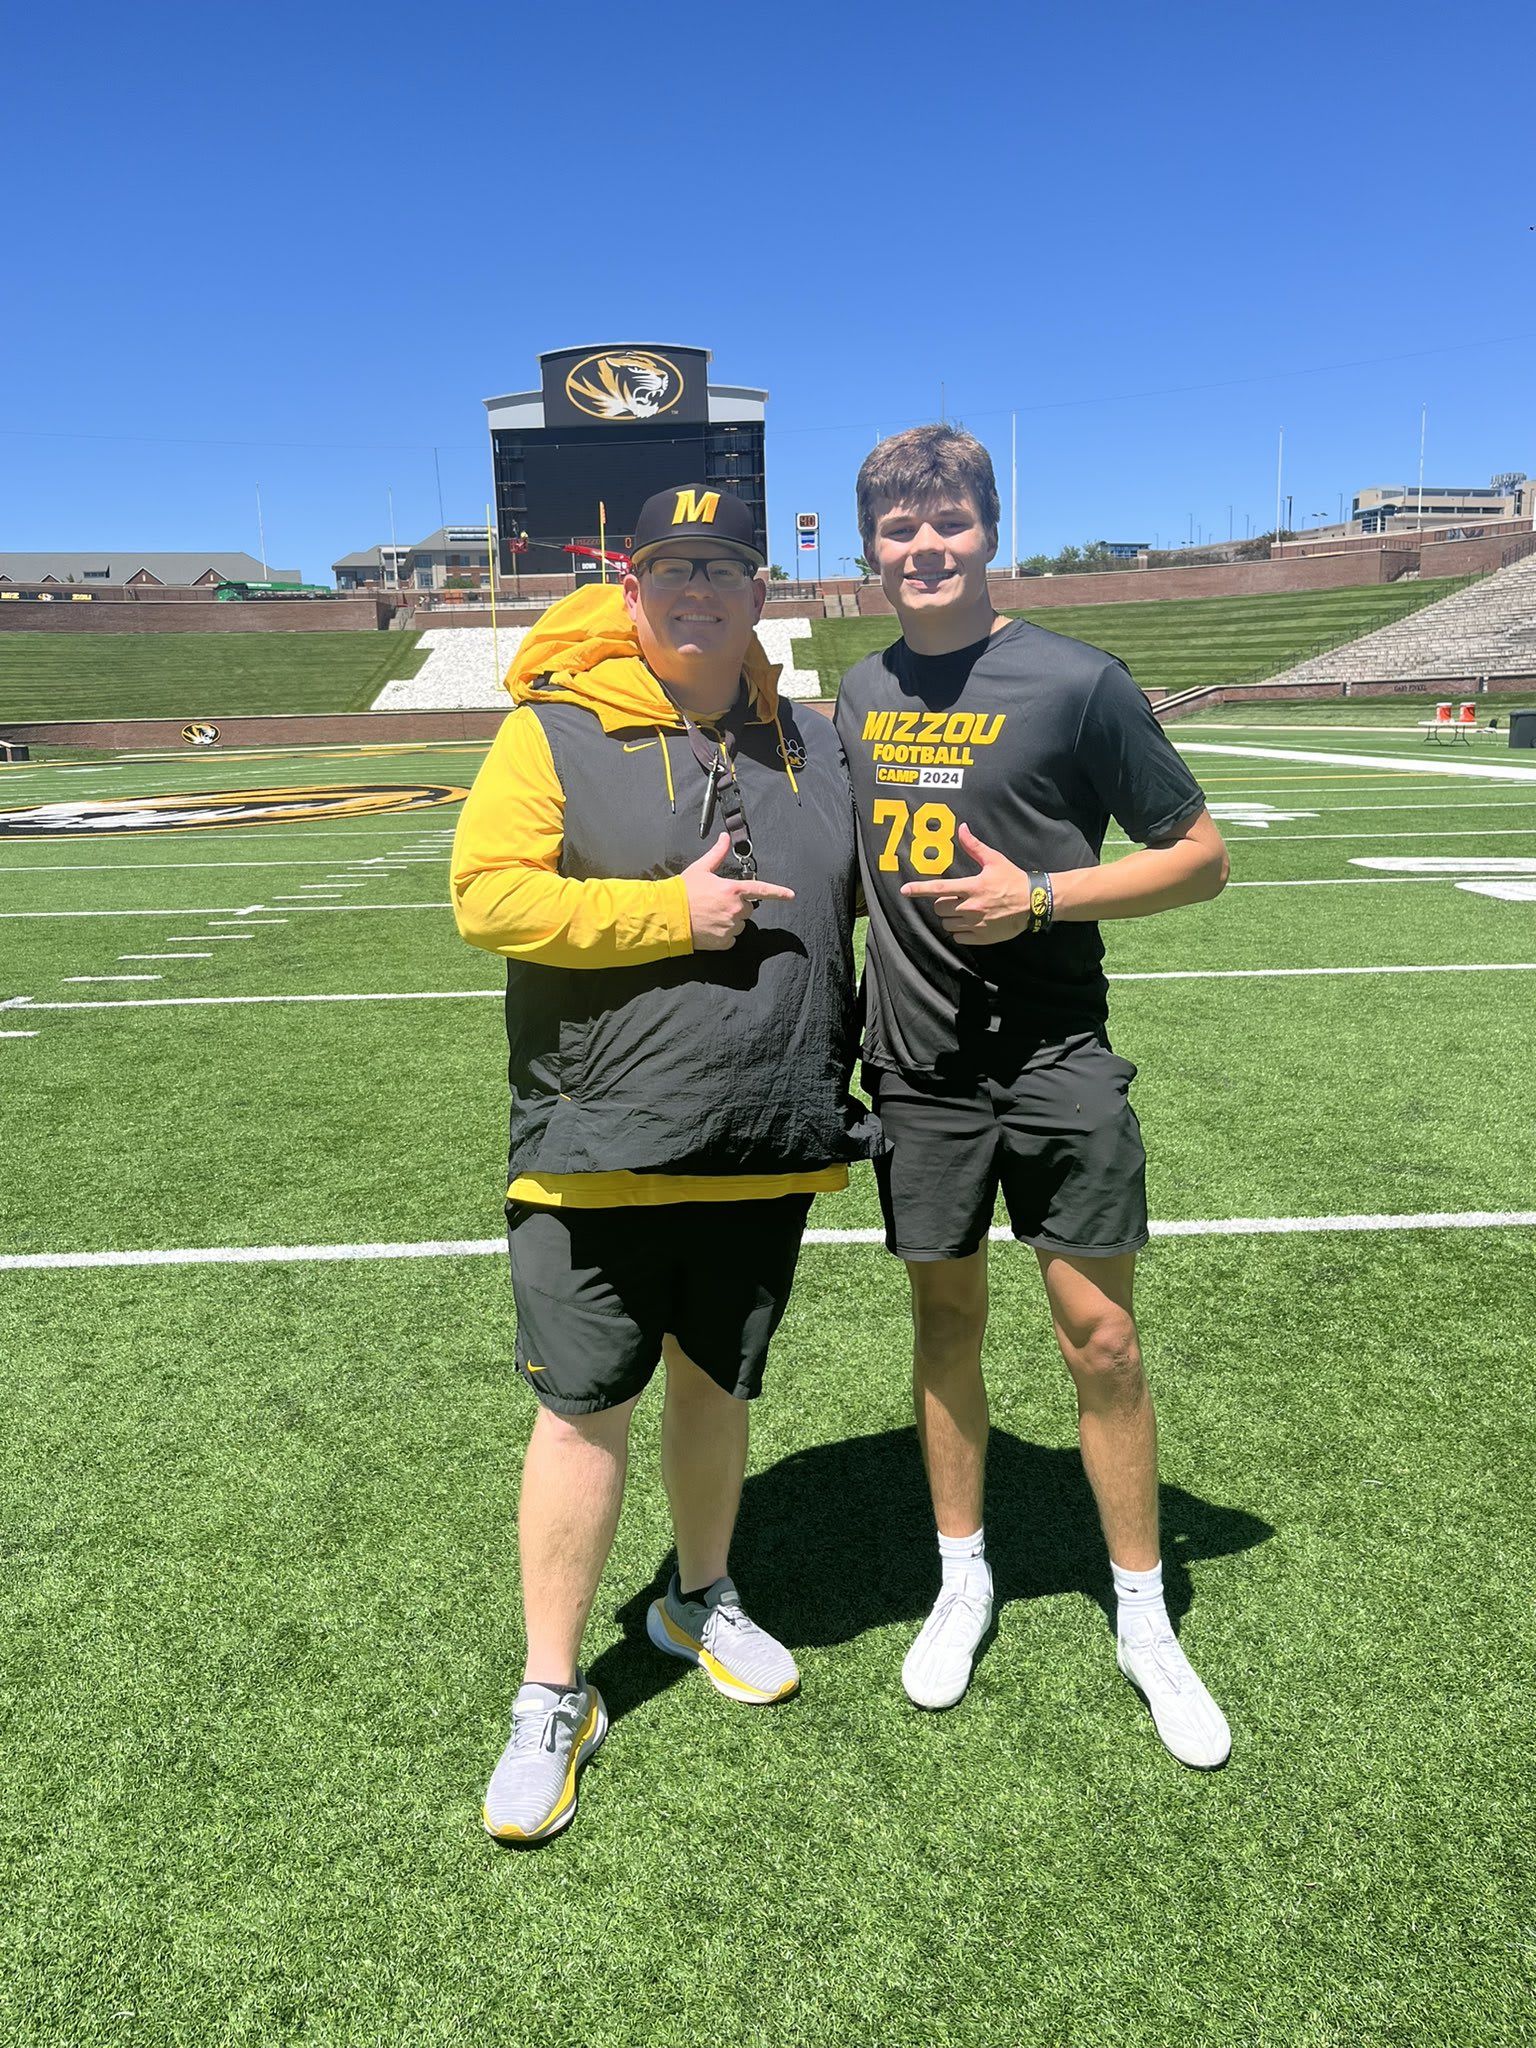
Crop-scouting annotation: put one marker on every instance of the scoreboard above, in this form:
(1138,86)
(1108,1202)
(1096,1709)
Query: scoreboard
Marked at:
(612,425)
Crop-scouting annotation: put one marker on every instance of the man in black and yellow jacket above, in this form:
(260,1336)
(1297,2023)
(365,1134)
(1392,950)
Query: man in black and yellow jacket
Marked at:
(681,1028)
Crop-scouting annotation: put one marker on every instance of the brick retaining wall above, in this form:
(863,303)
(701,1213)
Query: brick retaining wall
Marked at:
(1453,688)
(1337,544)
(1473,557)
(1149,586)
(508,614)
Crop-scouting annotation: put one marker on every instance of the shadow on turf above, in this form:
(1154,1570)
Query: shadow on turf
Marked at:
(836,1540)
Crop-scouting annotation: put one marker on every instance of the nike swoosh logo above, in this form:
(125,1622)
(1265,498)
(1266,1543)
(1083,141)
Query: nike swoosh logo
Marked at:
(538,1368)
(635,746)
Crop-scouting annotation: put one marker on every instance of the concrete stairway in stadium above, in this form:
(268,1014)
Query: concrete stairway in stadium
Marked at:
(1488,628)
(459,673)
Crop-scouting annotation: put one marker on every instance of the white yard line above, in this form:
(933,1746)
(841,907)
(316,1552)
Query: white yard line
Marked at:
(113,977)
(1335,881)
(266,834)
(130,867)
(1399,765)
(1303,1226)
(460,995)
(431,995)
(18,1034)
(478,1247)
(1288,973)
(1240,789)
(206,938)
(1487,803)
(1320,838)
(1326,726)
(222,910)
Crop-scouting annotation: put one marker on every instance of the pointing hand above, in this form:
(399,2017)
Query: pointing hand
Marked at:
(982,909)
(718,909)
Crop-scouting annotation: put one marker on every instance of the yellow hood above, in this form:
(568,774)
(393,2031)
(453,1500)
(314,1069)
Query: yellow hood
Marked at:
(587,648)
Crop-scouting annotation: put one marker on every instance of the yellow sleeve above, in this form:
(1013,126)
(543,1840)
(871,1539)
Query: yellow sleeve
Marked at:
(509,896)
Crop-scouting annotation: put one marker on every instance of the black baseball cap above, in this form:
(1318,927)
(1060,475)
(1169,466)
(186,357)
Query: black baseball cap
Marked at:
(695,512)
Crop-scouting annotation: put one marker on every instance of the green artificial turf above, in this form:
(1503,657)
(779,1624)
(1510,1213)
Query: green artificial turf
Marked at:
(260,1630)
(1175,643)
(197,675)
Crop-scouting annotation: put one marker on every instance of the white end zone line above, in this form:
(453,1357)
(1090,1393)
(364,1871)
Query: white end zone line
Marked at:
(477,1247)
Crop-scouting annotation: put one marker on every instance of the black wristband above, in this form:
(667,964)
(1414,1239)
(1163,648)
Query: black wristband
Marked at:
(1042,902)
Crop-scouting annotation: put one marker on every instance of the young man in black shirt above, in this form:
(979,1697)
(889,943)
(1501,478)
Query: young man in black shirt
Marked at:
(987,758)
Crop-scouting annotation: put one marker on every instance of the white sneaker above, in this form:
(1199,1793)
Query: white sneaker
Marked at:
(937,1669)
(1192,1726)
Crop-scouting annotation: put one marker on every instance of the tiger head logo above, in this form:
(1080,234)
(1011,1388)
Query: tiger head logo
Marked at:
(632,386)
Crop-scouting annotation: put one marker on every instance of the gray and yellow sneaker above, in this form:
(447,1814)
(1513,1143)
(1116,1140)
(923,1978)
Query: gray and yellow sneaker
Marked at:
(532,1793)
(741,1660)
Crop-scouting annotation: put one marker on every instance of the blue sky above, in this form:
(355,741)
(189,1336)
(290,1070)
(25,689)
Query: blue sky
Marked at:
(296,247)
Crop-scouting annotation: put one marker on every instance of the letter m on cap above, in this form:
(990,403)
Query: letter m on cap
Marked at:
(694,509)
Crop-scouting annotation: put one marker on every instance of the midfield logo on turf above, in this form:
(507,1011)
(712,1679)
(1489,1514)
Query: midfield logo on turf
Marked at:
(222,808)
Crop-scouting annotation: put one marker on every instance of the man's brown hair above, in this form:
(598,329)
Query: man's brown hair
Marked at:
(920,467)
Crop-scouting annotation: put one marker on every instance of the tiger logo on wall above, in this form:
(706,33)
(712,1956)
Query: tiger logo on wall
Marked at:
(198,735)
(627,386)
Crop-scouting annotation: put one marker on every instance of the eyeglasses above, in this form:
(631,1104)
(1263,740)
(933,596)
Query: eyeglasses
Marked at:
(676,572)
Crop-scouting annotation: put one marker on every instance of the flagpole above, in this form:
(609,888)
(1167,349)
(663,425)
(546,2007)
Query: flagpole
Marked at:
(1013,537)
(602,536)
(490,556)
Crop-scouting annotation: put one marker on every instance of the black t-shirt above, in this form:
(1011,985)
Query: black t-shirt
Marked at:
(1035,742)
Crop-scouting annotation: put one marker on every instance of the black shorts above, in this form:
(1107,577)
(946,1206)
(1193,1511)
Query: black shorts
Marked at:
(1056,1131)
(597,1290)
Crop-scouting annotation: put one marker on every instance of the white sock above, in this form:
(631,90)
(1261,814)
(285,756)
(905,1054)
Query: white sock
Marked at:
(964,1557)
(1138,1595)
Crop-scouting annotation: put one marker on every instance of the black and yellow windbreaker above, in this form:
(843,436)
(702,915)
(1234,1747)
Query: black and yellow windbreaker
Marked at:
(640,1070)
